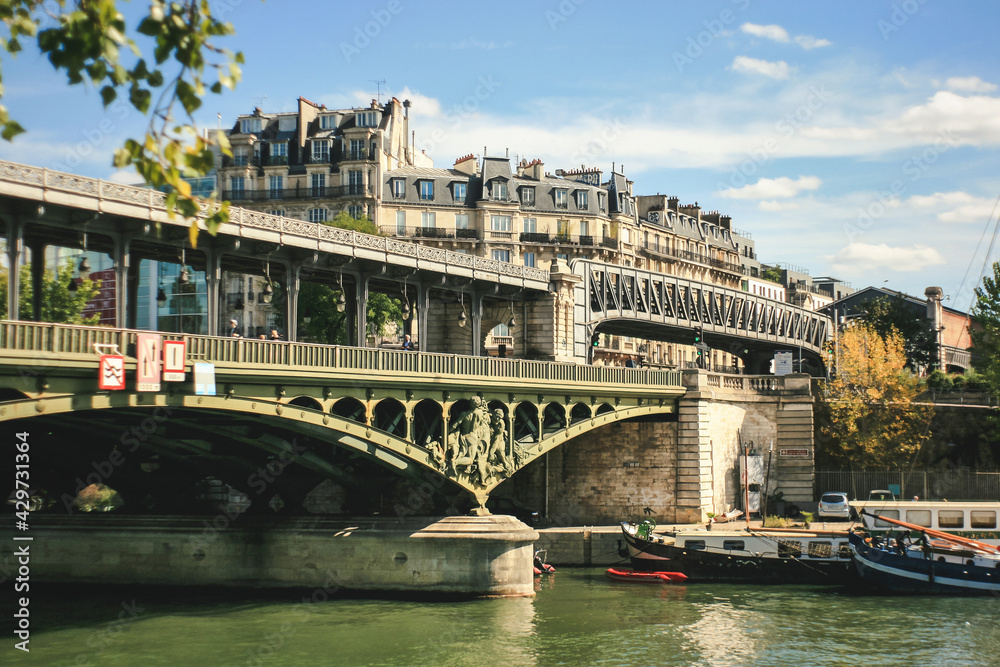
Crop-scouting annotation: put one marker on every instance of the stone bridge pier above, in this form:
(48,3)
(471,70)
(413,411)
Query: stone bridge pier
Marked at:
(678,468)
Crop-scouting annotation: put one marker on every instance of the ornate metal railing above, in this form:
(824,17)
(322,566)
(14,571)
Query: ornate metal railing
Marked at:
(28,182)
(72,340)
(326,192)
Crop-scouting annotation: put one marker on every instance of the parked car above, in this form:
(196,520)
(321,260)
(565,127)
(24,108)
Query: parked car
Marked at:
(881,494)
(835,505)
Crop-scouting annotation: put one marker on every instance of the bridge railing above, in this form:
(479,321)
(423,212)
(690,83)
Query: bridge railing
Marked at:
(67,339)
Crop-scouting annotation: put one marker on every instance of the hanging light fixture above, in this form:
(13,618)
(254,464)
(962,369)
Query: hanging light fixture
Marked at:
(462,318)
(268,292)
(406,304)
(72,286)
(239,304)
(341,301)
(184,278)
(161,297)
(84,267)
(511,323)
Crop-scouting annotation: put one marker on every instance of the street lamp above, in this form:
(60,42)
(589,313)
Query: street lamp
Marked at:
(341,301)
(511,323)
(462,318)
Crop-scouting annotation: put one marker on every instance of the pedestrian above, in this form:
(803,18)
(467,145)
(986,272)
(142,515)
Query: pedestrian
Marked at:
(233,330)
(275,335)
(407,343)
(629,363)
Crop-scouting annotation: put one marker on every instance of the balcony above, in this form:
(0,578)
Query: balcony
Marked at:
(358,156)
(584,240)
(330,192)
(663,252)
(254,161)
(430,232)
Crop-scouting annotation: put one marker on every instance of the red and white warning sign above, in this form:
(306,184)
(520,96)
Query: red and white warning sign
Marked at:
(173,360)
(112,372)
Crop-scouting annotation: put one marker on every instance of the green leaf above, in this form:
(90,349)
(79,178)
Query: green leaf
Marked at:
(108,95)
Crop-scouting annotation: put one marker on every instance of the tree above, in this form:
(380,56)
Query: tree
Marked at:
(986,337)
(90,43)
(59,304)
(888,314)
(873,420)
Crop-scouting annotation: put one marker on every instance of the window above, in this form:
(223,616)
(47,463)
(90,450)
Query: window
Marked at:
(366,119)
(461,221)
(602,201)
(581,200)
(355,211)
(460,192)
(502,255)
(317,215)
(982,519)
(528,196)
(500,223)
(427,189)
(248,125)
(358,151)
(398,187)
(321,151)
(562,228)
(355,180)
(277,211)
(275,186)
(584,228)
(400,223)
(240,156)
(733,545)
(530,225)
(318,185)
(919,517)
(327,122)
(236,185)
(561,199)
(697,545)
(428,219)
(789,549)
(499,190)
(892,514)
(951,519)
(529,259)
(279,153)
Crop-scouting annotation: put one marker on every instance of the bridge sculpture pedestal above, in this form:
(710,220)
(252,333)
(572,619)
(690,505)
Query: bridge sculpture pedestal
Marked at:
(459,555)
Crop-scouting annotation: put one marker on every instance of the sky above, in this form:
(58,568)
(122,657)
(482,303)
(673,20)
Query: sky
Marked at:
(857,139)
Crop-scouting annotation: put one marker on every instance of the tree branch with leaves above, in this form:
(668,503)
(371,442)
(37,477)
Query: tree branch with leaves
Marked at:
(90,43)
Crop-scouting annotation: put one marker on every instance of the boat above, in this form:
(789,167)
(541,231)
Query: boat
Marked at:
(974,519)
(936,563)
(633,576)
(763,556)
(539,564)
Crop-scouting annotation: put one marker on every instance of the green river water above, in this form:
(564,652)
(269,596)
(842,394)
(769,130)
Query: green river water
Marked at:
(577,617)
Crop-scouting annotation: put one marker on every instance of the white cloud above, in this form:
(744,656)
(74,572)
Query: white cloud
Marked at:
(775,70)
(970,84)
(809,42)
(778,34)
(773,188)
(866,257)
(125,177)
(772,32)
(953,207)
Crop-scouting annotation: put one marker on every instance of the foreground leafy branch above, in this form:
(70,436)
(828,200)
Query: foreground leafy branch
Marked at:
(89,42)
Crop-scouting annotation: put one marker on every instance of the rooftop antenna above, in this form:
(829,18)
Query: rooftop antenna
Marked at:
(260,100)
(378,89)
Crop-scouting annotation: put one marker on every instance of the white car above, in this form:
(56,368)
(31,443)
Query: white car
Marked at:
(834,504)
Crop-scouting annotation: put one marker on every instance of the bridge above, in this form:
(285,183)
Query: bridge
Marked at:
(432,418)
(565,305)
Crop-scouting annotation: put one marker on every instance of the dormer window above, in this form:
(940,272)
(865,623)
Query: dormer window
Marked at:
(427,189)
(528,196)
(581,200)
(398,187)
(250,125)
(327,123)
(279,153)
(562,198)
(460,190)
(602,201)
(366,119)
(499,190)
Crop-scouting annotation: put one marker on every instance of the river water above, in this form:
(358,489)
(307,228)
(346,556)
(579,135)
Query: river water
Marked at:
(577,617)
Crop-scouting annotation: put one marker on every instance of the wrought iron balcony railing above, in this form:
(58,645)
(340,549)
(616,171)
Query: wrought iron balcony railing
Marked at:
(691,257)
(430,232)
(328,192)
(585,240)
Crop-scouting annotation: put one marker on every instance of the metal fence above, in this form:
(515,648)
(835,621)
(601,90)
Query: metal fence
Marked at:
(952,484)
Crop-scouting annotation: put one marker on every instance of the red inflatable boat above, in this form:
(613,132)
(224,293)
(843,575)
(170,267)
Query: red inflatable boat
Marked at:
(616,574)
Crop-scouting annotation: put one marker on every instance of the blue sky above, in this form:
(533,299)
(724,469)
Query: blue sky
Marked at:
(857,139)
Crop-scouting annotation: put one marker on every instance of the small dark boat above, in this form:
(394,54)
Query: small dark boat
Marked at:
(937,563)
(622,574)
(539,564)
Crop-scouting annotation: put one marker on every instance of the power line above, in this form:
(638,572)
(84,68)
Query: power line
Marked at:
(989,252)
